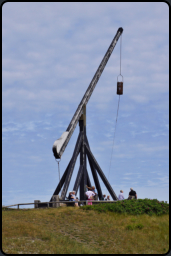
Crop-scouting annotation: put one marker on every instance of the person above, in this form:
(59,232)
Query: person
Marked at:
(73,198)
(90,194)
(91,188)
(103,197)
(132,194)
(108,198)
(94,190)
(121,195)
(70,196)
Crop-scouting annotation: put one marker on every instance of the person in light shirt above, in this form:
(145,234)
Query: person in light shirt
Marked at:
(90,194)
(121,195)
(94,190)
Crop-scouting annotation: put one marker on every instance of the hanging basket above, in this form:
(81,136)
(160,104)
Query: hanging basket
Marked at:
(120,86)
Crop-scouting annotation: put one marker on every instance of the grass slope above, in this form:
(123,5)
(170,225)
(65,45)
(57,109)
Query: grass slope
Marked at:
(71,230)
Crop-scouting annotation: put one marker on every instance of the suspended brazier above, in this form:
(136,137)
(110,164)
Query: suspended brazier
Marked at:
(120,87)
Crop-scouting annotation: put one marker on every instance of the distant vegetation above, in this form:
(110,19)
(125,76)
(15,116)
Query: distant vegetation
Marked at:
(125,227)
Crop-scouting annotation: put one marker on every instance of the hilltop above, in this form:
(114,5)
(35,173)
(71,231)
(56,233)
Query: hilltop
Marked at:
(72,230)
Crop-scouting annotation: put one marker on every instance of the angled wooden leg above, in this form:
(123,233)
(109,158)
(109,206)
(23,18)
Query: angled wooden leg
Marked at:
(95,177)
(71,166)
(100,172)
(78,179)
(88,180)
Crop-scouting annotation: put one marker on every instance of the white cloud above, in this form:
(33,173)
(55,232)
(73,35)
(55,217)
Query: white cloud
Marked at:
(148,149)
(164,180)
(36,158)
(140,98)
(41,136)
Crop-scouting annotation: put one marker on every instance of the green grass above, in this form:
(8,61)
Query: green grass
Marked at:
(72,230)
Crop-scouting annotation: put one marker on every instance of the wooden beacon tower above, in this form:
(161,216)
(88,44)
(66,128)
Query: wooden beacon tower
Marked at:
(82,146)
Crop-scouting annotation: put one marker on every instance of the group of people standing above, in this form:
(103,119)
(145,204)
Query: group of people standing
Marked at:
(92,195)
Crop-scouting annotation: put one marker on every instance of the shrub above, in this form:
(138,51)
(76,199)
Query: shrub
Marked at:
(129,227)
(139,226)
(133,207)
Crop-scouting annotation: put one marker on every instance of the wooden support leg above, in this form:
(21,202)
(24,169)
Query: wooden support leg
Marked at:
(71,166)
(95,177)
(88,180)
(78,179)
(100,172)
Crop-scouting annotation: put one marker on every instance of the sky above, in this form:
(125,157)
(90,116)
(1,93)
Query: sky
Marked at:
(50,53)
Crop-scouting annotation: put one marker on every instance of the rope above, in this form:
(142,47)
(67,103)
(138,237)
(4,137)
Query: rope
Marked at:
(120,52)
(114,136)
(117,109)
(59,173)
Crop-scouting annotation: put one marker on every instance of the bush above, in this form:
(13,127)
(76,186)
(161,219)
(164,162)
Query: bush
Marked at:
(129,227)
(134,207)
(132,227)
(139,226)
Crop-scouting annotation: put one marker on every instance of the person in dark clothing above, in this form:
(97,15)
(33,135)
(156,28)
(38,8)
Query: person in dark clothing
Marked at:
(72,197)
(132,194)
(103,197)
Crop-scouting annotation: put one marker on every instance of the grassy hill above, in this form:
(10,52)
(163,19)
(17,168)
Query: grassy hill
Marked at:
(84,230)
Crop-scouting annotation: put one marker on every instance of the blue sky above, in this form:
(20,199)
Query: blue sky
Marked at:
(50,53)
